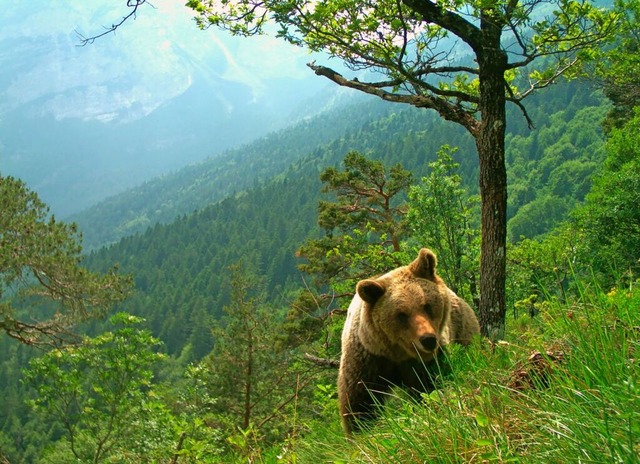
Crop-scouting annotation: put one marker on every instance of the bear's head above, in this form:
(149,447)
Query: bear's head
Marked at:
(405,312)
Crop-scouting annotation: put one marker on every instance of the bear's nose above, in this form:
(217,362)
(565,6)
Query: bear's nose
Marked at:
(429,342)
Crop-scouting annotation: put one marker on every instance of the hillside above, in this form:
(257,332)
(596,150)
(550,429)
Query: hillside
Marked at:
(162,199)
(181,266)
(204,317)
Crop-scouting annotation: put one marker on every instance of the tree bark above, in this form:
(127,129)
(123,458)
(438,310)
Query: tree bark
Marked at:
(490,141)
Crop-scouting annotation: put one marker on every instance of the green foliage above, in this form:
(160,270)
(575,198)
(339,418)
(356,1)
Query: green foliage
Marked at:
(618,67)
(537,217)
(249,374)
(364,191)
(601,238)
(98,391)
(443,216)
(40,263)
(381,38)
(611,213)
(550,171)
(193,409)
(543,268)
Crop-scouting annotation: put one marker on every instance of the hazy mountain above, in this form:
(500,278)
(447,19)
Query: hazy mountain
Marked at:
(191,188)
(82,123)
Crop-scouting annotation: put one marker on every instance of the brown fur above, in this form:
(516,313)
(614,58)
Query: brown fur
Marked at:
(396,324)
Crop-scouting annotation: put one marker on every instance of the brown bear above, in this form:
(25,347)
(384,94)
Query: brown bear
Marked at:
(396,325)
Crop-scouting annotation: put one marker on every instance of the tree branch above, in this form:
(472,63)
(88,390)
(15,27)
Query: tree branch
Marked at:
(134,4)
(449,20)
(176,454)
(53,333)
(323,362)
(282,405)
(512,98)
(447,110)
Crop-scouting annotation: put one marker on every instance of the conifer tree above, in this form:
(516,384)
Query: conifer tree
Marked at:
(249,372)
(363,223)
(40,267)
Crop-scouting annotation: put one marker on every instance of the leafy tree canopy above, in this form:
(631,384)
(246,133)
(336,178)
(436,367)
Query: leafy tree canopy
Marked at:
(618,67)
(363,223)
(441,215)
(97,391)
(414,42)
(611,213)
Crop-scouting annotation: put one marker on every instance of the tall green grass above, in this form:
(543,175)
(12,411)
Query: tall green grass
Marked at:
(563,388)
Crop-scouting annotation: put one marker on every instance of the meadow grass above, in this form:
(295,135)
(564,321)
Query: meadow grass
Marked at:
(563,388)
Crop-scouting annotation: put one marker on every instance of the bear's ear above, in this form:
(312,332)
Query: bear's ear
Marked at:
(424,265)
(370,290)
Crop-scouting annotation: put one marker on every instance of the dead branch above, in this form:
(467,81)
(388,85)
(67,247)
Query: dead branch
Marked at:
(323,362)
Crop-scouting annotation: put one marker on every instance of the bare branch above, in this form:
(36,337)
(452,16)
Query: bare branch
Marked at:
(323,362)
(133,4)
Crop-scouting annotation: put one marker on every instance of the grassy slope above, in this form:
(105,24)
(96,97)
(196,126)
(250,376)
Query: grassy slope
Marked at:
(565,388)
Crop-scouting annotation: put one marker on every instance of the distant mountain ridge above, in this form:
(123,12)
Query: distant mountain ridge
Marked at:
(386,131)
(79,124)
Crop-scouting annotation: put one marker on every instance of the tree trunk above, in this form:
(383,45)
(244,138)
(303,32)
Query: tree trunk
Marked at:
(247,385)
(493,181)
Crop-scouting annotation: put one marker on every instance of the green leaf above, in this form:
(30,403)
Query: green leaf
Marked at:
(481,419)
(484,442)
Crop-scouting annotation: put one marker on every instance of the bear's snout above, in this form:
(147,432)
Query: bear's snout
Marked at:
(429,342)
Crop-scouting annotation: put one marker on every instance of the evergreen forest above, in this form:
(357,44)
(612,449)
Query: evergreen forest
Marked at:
(223,336)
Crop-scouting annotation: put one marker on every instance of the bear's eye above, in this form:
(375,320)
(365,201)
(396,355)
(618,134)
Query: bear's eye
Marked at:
(403,318)
(428,308)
